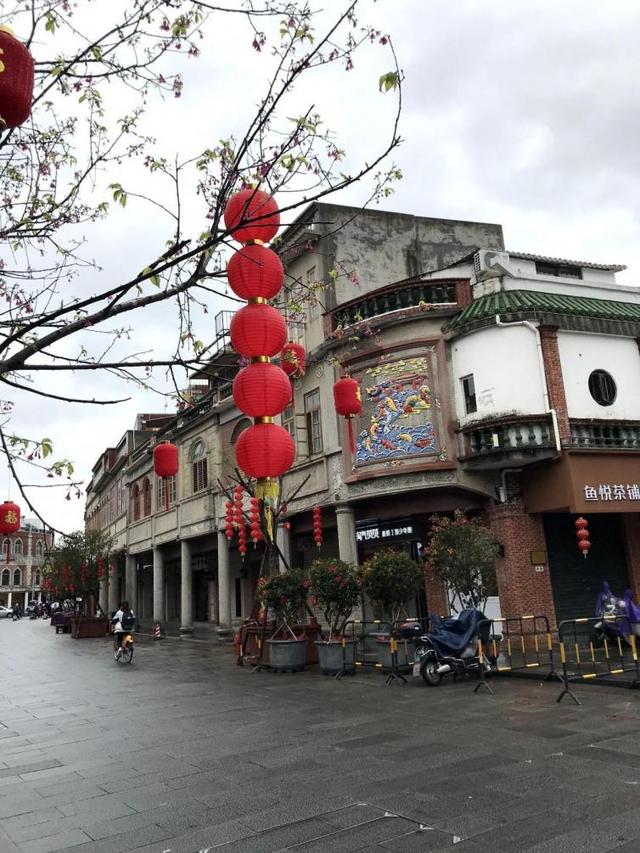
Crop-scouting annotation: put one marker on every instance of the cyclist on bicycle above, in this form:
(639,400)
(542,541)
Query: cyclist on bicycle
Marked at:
(123,622)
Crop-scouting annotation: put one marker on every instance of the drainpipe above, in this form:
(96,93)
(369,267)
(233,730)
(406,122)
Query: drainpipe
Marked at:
(543,377)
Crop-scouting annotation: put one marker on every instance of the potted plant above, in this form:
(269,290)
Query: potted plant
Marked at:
(284,596)
(335,587)
(390,579)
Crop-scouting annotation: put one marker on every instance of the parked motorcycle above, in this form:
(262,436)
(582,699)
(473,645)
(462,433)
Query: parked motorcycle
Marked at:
(619,616)
(450,647)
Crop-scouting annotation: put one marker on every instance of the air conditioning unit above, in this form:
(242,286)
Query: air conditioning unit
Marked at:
(487,263)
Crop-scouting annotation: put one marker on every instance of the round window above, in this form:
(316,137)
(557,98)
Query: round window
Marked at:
(602,387)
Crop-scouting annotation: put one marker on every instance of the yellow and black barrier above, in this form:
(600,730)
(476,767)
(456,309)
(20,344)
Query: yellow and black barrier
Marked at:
(596,648)
(380,646)
(521,643)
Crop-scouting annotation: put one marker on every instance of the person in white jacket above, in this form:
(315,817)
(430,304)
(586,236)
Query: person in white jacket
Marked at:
(123,622)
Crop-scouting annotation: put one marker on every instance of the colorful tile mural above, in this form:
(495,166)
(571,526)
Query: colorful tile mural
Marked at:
(399,412)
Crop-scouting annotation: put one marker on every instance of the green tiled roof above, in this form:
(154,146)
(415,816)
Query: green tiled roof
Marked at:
(530,301)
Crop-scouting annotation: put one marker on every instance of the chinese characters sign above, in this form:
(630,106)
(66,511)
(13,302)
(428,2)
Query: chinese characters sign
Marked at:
(384,532)
(612,492)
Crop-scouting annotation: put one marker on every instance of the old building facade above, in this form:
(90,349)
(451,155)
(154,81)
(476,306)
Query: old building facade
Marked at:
(20,576)
(500,383)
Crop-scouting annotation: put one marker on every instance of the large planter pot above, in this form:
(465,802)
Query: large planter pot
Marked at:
(287,655)
(89,626)
(334,658)
(404,660)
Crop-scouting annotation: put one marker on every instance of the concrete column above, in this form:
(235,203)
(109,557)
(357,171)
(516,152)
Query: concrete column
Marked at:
(112,600)
(103,595)
(186,589)
(158,585)
(9,599)
(283,541)
(131,583)
(224,584)
(347,543)
(26,600)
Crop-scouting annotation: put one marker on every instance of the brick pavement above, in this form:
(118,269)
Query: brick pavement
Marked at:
(184,752)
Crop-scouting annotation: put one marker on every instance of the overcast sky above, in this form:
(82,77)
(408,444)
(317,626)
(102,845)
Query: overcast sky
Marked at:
(522,113)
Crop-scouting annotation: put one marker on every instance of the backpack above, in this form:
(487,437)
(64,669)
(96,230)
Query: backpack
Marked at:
(128,620)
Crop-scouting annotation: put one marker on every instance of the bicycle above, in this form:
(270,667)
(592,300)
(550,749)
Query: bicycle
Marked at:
(124,652)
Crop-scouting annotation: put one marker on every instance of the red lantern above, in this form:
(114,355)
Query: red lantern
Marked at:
(228,520)
(582,533)
(255,272)
(258,330)
(293,360)
(16,80)
(254,521)
(165,464)
(9,520)
(265,451)
(261,390)
(252,215)
(348,402)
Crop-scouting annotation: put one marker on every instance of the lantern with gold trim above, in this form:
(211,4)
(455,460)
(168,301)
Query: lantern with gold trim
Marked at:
(348,402)
(16,80)
(582,534)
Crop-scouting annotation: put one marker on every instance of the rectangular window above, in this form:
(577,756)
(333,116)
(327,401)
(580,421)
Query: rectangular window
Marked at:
(162,483)
(314,423)
(469,391)
(199,475)
(289,421)
(565,270)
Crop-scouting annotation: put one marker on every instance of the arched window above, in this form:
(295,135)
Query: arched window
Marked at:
(135,503)
(238,428)
(198,466)
(17,575)
(146,496)
(6,577)
(17,547)
(39,548)
(37,578)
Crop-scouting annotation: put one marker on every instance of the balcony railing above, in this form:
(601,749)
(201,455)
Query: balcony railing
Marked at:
(425,295)
(526,435)
(605,435)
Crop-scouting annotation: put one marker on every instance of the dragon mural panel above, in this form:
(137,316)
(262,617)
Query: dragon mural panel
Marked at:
(400,412)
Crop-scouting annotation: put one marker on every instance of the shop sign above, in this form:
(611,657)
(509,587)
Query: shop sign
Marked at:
(612,492)
(393,530)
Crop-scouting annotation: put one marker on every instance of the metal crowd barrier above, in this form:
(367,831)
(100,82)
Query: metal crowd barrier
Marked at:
(584,659)
(525,643)
(393,655)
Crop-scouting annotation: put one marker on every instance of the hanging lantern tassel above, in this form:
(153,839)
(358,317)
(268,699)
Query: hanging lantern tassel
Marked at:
(582,533)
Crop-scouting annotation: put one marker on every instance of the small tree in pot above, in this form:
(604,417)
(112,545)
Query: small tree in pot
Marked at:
(462,552)
(335,587)
(285,596)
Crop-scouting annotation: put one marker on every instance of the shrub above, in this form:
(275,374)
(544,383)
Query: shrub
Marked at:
(285,596)
(335,587)
(390,579)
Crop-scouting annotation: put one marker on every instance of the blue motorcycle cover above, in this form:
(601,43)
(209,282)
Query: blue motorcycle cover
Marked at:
(451,636)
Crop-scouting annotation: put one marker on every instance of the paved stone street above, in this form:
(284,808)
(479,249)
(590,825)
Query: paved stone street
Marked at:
(183,751)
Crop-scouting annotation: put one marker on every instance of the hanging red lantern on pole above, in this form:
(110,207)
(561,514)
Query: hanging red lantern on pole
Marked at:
(242,539)
(582,534)
(293,360)
(255,272)
(252,214)
(348,402)
(9,521)
(261,390)
(165,465)
(265,451)
(317,525)
(258,330)
(16,80)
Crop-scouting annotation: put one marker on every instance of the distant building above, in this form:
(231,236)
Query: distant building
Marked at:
(20,577)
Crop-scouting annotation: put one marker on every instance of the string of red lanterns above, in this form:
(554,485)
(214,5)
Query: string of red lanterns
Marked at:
(16,80)
(317,525)
(264,451)
(582,533)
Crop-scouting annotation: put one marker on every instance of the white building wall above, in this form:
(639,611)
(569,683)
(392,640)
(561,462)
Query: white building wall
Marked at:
(506,370)
(581,354)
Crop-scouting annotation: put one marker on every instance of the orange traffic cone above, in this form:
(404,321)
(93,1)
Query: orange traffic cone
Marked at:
(157,635)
